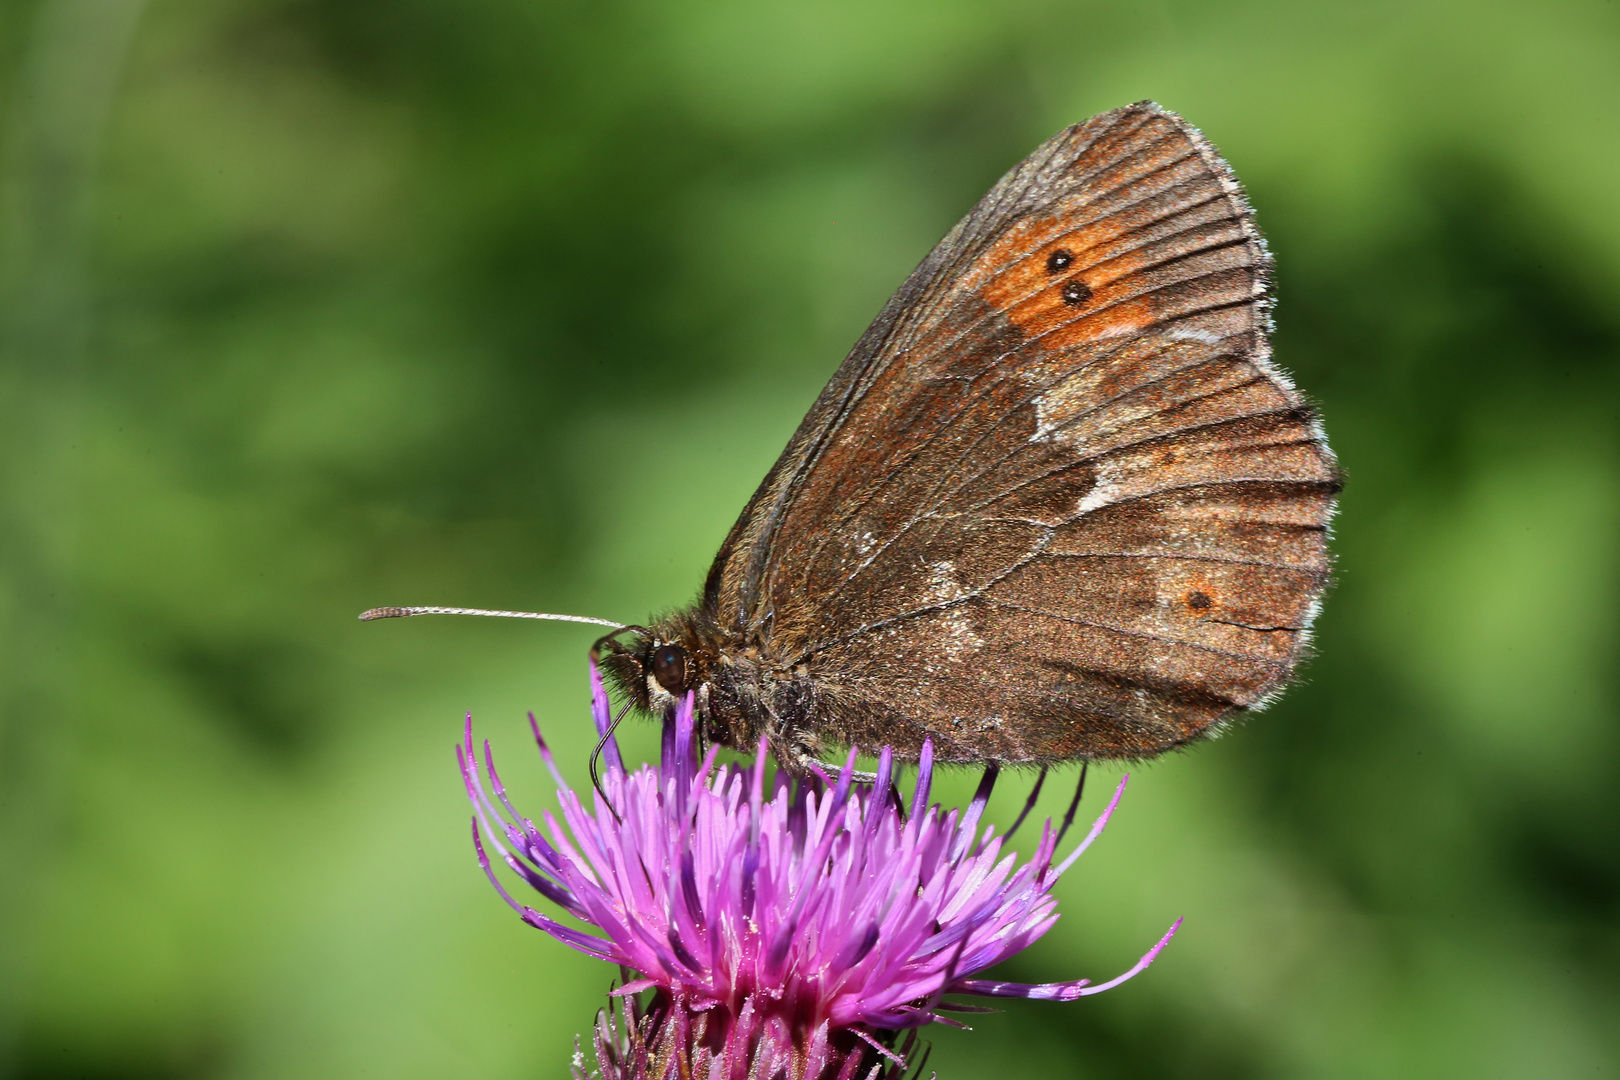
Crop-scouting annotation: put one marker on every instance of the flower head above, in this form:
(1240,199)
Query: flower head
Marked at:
(795,921)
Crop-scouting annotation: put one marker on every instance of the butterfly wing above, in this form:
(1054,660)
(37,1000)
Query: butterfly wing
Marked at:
(1057,502)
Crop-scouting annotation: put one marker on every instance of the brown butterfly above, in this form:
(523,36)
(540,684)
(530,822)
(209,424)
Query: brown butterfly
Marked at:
(1057,503)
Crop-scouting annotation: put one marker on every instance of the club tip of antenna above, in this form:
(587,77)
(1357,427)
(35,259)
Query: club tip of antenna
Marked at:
(385,613)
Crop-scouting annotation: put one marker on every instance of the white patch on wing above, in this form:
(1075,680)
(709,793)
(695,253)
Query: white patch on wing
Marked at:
(1060,404)
(1103,492)
(959,641)
(943,584)
(1043,423)
(1186,333)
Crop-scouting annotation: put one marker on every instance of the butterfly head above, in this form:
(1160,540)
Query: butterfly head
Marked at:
(655,668)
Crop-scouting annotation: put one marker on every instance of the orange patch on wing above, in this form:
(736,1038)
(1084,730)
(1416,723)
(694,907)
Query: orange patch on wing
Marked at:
(1029,269)
(1114,320)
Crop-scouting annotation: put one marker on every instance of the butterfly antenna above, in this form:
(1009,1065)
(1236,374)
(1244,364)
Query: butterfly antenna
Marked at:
(406,612)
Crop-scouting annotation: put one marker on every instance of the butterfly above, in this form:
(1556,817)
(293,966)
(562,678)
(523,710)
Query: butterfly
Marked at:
(1056,504)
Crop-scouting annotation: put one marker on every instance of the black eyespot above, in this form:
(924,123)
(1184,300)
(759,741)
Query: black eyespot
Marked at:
(669,668)
(1075,292)
(1199,600)
(1058,260)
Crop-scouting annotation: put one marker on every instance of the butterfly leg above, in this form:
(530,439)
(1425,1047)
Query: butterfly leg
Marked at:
(857,776)
(801,762)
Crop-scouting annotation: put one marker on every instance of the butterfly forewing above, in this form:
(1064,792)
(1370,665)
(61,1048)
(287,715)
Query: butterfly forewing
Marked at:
(1057,503)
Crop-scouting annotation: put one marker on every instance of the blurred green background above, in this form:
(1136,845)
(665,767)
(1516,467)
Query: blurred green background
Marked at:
(311,305)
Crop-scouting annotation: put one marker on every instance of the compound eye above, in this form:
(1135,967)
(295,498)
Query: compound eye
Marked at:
(669,668)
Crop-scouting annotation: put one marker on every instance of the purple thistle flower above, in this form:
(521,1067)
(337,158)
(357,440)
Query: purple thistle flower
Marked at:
(790,927)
